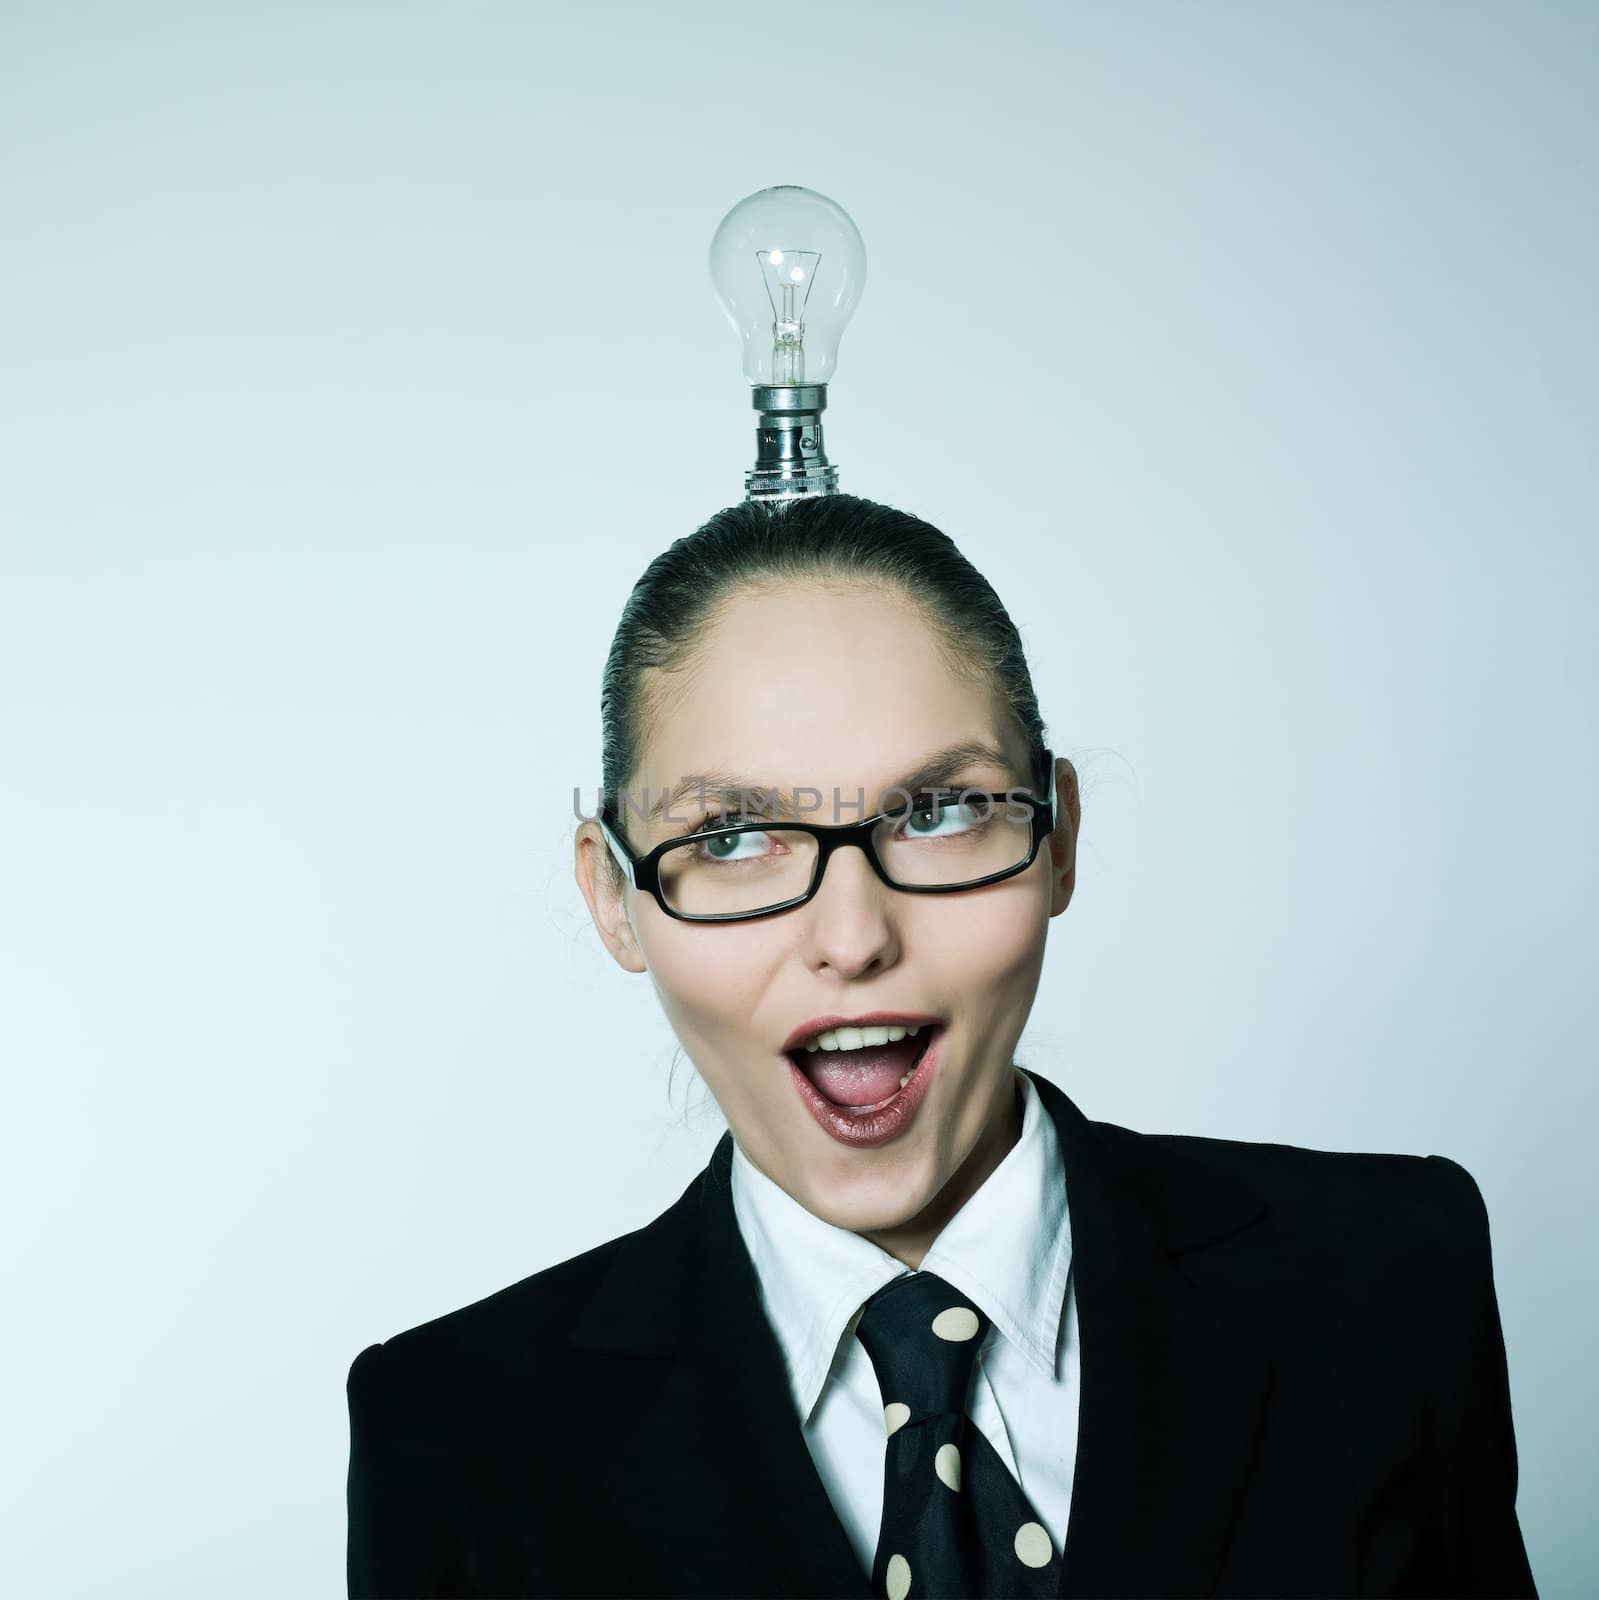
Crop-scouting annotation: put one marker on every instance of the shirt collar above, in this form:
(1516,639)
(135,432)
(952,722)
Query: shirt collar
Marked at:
(1008,1250)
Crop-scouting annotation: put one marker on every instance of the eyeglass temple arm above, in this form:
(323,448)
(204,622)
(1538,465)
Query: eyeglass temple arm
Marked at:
(617,850)
(1047,774)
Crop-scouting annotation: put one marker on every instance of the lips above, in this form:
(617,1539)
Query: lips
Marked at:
(876,1124)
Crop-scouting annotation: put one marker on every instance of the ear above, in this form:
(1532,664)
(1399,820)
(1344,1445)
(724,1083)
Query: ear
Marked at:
(607,897)
(1063,841)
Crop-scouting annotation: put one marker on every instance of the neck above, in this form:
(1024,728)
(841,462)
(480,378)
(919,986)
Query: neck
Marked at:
(910,1241)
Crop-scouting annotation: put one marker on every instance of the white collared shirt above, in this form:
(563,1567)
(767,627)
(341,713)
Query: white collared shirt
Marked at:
(1008,1249)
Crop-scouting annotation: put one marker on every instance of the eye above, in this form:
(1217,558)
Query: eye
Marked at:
(720,847)
(926,818)
(732,846)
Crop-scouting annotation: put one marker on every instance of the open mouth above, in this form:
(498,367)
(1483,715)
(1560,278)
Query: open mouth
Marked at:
(865,1079)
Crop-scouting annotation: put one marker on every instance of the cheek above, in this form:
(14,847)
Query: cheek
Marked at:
(708,979)
(984,962)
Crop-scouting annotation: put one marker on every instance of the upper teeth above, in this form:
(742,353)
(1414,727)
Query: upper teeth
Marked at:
(858,1038)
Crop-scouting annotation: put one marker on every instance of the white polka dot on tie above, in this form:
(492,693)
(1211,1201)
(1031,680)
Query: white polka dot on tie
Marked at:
(898,1578)
(1033,1548)
(895,1415)
(947,1464)
(959,1322)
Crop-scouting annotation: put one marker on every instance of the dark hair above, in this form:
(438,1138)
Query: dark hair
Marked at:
(826,538)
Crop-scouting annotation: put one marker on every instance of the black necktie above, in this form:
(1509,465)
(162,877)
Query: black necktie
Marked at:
(956,1524)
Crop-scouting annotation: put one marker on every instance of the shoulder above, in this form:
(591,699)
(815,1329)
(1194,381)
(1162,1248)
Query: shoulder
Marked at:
(443,1418)
(485,1347)
(1364,1272)
(1303,1182)
(1372,1212)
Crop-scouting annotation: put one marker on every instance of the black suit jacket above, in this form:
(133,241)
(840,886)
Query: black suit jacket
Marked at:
(1293,1376)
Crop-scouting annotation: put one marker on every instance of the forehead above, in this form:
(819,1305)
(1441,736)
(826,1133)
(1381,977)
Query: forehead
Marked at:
(815,683)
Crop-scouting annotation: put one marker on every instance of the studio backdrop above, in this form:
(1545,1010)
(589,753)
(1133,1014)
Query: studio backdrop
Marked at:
(356,360)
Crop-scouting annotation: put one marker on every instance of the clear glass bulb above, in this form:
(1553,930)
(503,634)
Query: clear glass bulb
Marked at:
(789,267)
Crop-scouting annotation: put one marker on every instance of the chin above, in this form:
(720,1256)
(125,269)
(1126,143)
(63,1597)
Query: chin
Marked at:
(876,1207)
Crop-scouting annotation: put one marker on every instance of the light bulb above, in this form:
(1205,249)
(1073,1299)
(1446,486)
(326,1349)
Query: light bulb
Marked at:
(788,265)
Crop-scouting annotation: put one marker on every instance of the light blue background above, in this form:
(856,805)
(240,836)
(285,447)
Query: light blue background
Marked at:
(1248,348)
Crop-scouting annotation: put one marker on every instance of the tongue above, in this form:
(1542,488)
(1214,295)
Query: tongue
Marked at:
(861,1077)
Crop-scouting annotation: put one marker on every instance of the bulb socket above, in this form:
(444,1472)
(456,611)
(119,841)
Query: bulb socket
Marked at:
(789,459)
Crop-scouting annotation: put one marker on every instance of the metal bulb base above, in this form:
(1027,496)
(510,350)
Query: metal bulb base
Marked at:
(789,459)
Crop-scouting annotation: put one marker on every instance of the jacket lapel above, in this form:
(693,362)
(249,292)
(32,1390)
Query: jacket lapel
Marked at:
(713,1479)
(1173,1398)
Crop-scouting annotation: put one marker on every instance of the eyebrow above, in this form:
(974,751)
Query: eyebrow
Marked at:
(936,771)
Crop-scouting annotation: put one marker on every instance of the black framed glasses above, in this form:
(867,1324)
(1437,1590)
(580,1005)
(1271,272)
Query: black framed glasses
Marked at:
(936,843)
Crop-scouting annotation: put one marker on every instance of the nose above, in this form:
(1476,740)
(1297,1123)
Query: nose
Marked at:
(849,923)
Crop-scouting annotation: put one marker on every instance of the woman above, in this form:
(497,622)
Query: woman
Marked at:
(964,1340)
